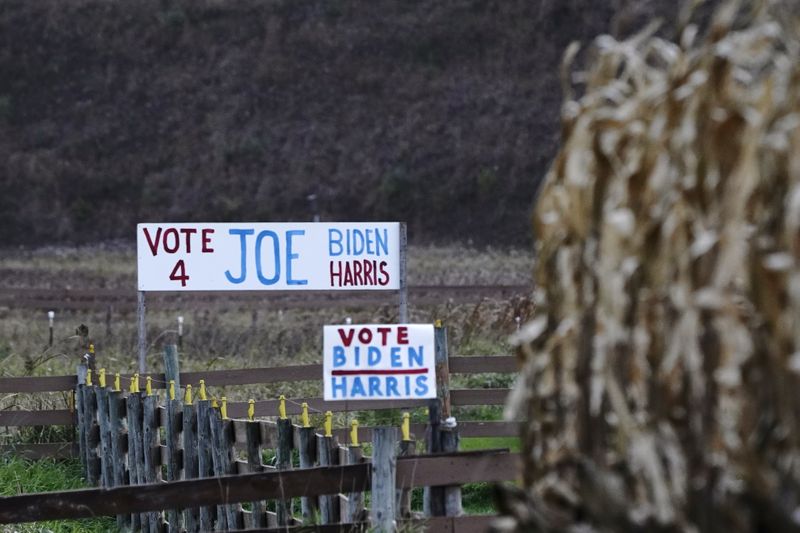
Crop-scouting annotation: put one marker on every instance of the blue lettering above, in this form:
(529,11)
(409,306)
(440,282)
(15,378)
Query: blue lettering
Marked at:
(382,244)
(391,386)
(370,242)
(358,242)
(339,384)
(422,386)
(375,386)
(290,256)
(276,249)
(334,241)
(407,387)
(357,354)
(415,356)
(358,388)
(339,359)
(242,233)
(395,354)
(373,355)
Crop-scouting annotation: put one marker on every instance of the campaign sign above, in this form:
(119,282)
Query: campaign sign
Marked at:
(268,256)
(379,362)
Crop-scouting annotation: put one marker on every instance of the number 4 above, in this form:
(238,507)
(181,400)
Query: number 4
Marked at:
(179,273)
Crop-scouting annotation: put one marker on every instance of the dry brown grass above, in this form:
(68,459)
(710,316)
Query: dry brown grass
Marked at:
(661,371)
(220,335)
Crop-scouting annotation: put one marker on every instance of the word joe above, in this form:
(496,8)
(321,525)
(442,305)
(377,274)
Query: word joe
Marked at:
(374,362)
(268,256)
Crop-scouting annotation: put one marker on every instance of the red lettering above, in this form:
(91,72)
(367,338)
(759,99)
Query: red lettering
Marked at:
(153,245)
(348,275)
(347,338)
(206,235)
(402,335)
(384,334)
(188,232)
(357,273)
(365,336)
(384,280)
(174,233)
(179,272)
(368,269)
(336,273)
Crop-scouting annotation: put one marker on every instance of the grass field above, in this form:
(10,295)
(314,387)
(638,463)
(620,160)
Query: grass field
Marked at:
(18,476)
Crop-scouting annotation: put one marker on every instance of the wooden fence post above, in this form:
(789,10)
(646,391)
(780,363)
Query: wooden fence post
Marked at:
(172,370)
(327,456)
(79,402)
(103,416)
(228,516)
(135,452)
(384,468)
(307,444)
(92,431)
(438,409)
(283,456)
(119,437)
(205,465)
(150,447)
(355,455)
(253,437)
(189,454)
(451,494)
(172,432)
(407,447)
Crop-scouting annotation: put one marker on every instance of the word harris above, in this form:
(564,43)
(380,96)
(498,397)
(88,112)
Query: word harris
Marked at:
(380,362)
(356,256)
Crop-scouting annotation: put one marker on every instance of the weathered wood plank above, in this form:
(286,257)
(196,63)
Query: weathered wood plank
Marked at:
(106,456)
(205,465)
(92,435)
(151,452)
(327,456)
(307,450)
(469,467)
(189,463)
(172,434)
(253,438)
(479,364)
(283,456)
(384,469)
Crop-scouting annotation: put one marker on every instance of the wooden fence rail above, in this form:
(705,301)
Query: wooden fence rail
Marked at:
(458,365)
(125,300)
(414,471)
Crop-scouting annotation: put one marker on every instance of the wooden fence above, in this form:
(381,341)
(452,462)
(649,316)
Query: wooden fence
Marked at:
(123,300)
(133,438)
(315,484)
(271,375)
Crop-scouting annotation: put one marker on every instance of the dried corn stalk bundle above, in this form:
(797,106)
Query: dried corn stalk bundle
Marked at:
(661,375)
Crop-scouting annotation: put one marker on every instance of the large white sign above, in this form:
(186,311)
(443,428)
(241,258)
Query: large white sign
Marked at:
(379,362)
(268,256)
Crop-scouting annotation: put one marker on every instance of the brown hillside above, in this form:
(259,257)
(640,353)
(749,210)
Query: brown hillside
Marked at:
(434,112)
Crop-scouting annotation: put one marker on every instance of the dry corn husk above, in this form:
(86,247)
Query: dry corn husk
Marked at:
(661,373)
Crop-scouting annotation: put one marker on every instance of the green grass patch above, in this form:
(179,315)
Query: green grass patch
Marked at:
(489,443)
(20,476)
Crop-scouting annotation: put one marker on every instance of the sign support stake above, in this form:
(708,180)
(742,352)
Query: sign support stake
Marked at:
(403,319)
(142,328)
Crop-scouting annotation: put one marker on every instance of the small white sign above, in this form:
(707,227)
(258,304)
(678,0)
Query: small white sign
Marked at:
(268,256)
(379,362)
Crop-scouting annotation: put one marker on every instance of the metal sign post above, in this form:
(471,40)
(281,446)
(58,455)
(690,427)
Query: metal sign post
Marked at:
(142,327)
